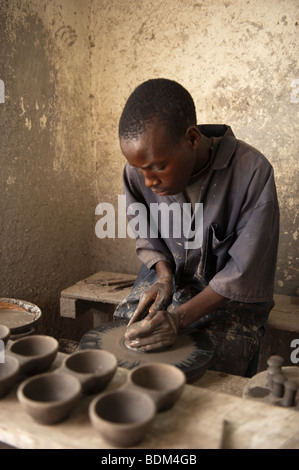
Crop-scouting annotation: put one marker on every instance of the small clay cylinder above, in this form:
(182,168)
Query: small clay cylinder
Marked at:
(271,372)
(289,393)
(278,385)
(275,361)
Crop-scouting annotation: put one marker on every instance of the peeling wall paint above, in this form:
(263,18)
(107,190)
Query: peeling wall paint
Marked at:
(239,60)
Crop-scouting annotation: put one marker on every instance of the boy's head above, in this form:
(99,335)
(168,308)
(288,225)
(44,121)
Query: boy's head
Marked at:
(158,135)
(159,101)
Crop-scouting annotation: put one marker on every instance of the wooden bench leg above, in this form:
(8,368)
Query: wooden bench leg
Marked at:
(73,308)
(68,307)
(103,314)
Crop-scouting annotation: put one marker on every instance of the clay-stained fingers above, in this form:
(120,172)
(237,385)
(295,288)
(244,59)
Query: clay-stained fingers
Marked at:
(154,342)
(157,295)
(145,327)
(140,329)
(134,317)
(156,333)
(144,301)
(161,298)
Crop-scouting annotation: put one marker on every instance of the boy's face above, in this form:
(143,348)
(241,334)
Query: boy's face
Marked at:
(166,166)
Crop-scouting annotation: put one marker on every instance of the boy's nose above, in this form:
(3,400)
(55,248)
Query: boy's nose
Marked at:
(150,180)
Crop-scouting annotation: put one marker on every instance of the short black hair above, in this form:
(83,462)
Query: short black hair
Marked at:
(157,100)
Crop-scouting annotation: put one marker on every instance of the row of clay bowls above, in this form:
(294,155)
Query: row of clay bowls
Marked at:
(122,416)
(28,355)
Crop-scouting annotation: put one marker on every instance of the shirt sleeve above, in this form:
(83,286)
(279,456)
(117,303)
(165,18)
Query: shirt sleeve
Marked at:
(249,271)
(150,257)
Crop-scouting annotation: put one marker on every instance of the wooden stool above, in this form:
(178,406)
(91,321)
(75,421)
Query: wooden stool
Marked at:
(99,293)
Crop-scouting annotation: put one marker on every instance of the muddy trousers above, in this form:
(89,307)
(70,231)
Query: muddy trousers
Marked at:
(235,329)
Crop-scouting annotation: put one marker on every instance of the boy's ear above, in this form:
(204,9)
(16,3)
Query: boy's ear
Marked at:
(193,136)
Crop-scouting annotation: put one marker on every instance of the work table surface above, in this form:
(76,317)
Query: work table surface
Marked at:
(202,418)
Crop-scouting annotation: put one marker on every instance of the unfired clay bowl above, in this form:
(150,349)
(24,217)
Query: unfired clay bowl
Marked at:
(9,373)
(122,417)
(49,398)
(4,333)
(94,369)
(163,382)
(34,353)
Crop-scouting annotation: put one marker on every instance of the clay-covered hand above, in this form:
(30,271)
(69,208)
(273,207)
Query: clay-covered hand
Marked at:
(157,295)
(157,331)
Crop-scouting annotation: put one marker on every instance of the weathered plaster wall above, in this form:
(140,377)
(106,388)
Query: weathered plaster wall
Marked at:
(68,67)
(238,60)
(46,179)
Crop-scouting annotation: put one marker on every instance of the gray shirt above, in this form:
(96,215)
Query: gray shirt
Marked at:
(240,226)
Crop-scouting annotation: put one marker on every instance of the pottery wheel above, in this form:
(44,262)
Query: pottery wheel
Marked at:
(192,353)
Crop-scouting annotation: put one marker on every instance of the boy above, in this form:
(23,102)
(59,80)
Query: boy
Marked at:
(223,280)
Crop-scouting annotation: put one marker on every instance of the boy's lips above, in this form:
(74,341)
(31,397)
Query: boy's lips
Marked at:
(160,192)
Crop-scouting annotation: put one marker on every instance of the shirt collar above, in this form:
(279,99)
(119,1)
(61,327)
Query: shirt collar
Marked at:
(223,147)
